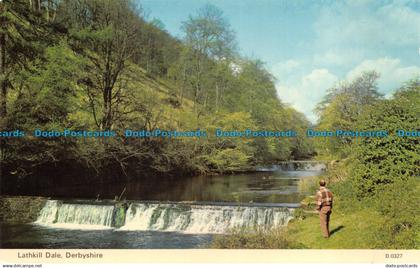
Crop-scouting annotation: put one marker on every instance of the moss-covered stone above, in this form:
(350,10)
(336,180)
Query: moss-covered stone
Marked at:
(119,214)
(20,209)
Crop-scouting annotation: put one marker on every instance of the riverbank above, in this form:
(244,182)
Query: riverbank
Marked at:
(20,209)
(349,230)
(377,222)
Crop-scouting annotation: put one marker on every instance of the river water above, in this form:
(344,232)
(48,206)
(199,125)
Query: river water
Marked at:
(164,213)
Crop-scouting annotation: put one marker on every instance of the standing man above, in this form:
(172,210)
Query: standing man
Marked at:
(324,201)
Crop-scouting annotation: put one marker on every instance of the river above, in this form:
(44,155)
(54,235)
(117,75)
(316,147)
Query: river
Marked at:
(164,212)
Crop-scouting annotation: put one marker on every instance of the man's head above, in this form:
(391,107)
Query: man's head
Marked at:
(322,183)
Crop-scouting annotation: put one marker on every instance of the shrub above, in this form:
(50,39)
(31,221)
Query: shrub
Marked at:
(308,184)
(275,238)
(388,160)
(344,196)
(399,204)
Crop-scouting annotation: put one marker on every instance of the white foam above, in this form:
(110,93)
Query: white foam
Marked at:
(75,216)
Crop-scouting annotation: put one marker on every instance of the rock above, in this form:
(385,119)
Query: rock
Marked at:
(119,214)
(20,209)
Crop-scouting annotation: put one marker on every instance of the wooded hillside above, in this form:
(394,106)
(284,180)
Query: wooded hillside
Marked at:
(102,65)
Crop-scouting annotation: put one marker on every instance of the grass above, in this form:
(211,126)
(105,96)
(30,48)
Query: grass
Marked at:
(388,220)
(349,230)
(353,224)
(353,230)
(259,239)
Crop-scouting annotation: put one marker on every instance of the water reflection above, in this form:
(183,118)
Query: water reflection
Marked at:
(277,184)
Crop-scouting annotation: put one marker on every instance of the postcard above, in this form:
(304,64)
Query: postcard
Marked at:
(244,132)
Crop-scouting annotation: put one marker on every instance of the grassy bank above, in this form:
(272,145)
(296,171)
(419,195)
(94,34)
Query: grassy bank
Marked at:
(354,230)
(352,224)
(387,221)
(20,209)
(260,239)
(351,230)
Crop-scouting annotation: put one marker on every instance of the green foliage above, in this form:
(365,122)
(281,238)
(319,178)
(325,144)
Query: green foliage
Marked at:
(341,109)
(300,146)
(229,160)
(308,185)
(112,69)
(209,33)
(352,229)
(119,215)
(23,36)
(100,65)
(299,214)
(380,161)
(345,198)
(260,239)
(382,173)
(398,203)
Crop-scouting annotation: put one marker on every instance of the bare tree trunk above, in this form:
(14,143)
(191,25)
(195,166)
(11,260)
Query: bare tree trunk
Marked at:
(107,116)
(52,6)
(3,94)
(3,108)
(149,55)
(197,86)
(47,10)
(182,88)
(217,97)
(3,78)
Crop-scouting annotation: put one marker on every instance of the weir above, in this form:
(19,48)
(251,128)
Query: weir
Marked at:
(167,217)
(315,166)
(79,216)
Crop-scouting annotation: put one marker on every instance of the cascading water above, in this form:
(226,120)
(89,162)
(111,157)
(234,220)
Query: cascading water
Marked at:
(170,217)
(202,218)
(296,166)
(78,216)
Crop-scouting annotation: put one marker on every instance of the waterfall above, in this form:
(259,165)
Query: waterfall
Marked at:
(79,216)
(296,166)
(202,218)
(168,217)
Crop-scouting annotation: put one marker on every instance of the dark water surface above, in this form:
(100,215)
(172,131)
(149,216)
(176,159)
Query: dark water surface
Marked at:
(277,184)
(35,236)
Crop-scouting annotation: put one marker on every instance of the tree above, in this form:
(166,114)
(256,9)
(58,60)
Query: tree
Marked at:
(22,33)
(342,107)
(45,100)
(104,32)
(386,160)
(23,36)
(83,64)
(157,50)
(209,41)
